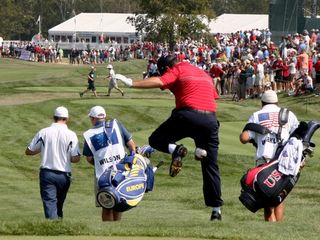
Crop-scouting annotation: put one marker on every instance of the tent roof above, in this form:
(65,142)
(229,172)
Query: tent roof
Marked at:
(96,22)
(231,23)
(116,23)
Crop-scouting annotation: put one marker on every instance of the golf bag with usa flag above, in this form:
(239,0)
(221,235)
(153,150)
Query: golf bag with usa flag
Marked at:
(269,184)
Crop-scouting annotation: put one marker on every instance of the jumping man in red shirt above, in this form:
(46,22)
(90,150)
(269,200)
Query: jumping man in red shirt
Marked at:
(194,116)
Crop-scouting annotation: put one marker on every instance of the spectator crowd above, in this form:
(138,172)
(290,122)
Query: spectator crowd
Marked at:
(242,64)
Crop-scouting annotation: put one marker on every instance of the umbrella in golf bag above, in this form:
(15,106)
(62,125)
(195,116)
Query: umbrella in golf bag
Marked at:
(124,187)
(269,184)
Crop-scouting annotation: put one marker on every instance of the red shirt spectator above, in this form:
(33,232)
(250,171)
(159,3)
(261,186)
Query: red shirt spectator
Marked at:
(310,65)
(216,71)
(285,70)
(181,57)
(317,65)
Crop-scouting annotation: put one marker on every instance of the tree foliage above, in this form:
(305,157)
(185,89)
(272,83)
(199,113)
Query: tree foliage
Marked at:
(16,18)
(19,17)
(167,21)
(159,18)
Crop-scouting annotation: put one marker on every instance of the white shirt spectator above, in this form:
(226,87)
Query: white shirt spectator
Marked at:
(292,68)
(54,142)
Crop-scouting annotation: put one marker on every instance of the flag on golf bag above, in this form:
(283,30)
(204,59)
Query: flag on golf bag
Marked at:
(269,184)
(124,187)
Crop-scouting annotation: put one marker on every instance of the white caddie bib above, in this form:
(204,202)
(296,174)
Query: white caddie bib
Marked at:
(106,144)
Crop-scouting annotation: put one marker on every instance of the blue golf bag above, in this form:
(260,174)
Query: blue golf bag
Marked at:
(123,188)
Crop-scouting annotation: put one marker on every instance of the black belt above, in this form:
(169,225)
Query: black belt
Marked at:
(198,110)
(55,171)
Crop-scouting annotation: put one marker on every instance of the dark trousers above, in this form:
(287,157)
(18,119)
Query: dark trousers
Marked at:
(317,77)
(222,81)
(203,129)
(54,186)
(242,90)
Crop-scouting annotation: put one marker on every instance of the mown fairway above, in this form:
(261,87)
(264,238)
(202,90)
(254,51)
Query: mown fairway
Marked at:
(29,93)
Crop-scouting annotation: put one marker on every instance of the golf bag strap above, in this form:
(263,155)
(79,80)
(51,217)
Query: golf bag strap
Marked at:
(126,163)
(108,128)
(282,119)
(105,179)
(150,179)
(312,127)
(255,127)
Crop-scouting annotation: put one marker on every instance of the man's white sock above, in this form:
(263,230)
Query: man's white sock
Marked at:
(216,209)
(171,147)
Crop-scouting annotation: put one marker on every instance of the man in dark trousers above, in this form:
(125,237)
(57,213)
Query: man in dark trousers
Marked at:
(194,116)
(59,147)
(91,80)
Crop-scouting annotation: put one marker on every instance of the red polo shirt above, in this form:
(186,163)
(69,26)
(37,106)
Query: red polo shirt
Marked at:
(216,71)
(192,87)
(317,66)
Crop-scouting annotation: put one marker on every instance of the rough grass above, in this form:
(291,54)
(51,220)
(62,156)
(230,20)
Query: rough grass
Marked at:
(175,209)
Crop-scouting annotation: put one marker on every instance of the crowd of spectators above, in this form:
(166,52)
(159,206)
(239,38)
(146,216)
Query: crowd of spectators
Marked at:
(245,64)
(36,52)
(50,52)
(242,64)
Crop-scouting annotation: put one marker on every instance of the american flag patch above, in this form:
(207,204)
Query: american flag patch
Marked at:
(269,119)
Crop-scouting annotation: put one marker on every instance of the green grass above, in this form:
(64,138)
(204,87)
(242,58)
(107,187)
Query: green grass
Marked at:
(175,209)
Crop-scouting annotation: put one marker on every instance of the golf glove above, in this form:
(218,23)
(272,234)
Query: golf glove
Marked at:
(126,81)
(146,150)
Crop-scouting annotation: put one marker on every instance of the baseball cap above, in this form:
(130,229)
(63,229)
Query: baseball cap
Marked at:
(97,112)
(164,62)
(61,112)
(269,96)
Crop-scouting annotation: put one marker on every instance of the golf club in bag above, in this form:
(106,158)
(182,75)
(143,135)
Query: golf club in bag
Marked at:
(269,184)
(123,188)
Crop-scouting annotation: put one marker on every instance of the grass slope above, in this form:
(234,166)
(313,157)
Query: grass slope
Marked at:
(175,209)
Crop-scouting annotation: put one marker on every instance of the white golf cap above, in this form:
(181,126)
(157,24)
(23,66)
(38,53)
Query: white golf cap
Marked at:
(61,112)
(269,96)
(97,112)
(109,66)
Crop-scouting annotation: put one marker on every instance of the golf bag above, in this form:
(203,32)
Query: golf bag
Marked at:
(265,185)
(123,188)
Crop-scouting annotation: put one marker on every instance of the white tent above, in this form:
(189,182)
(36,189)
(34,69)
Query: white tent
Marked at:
(89,27)
(231,23)
(114,27)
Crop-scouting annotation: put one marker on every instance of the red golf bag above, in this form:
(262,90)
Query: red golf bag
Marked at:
(265,186)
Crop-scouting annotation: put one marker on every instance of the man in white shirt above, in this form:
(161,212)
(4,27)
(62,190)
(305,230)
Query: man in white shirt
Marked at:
(113,81)
(267,144)
(304,84)
(59,147)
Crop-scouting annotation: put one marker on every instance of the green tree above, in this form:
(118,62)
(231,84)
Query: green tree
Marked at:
(161,20)
(19,17)
(16,19)
(168,21)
